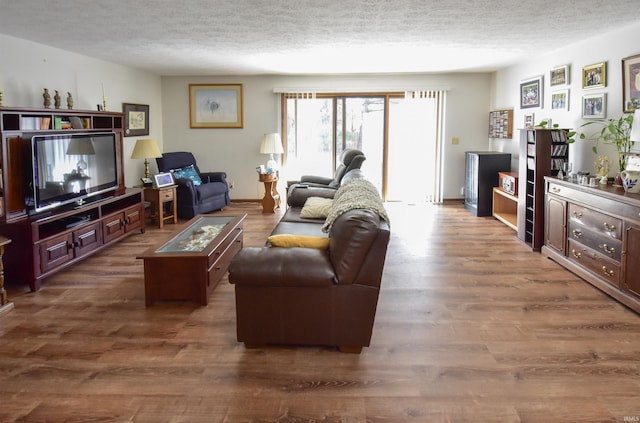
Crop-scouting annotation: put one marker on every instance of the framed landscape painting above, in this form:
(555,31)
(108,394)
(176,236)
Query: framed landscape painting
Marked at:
(630,83)
(531,93)
(215,105)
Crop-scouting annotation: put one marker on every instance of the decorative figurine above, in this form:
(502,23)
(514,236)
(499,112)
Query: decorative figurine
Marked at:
(56,100)
(47,98)
(69,101)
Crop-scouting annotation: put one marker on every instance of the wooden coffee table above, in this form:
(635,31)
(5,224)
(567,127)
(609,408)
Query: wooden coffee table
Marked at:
(190,264)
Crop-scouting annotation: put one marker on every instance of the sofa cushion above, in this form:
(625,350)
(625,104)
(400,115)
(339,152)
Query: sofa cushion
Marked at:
(304,241)
(316,207)
(188,172)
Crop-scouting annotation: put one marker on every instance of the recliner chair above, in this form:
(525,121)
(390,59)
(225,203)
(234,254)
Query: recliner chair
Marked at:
(198,192)
(349,159)
(324,186)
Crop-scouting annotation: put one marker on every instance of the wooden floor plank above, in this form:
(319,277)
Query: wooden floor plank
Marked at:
(472,326)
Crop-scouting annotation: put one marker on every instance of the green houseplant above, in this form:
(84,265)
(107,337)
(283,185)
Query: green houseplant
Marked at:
(613,132)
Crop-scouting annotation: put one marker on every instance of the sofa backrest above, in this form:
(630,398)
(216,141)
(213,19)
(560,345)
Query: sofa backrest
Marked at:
(358,247)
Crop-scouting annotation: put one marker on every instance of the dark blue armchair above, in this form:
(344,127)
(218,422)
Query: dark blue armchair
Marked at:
(198,192)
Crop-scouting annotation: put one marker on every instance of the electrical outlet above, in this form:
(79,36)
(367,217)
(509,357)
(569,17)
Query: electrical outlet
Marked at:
(231,185)
(461,190)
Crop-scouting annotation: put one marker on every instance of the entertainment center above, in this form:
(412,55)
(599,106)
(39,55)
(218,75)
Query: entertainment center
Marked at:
(62,192)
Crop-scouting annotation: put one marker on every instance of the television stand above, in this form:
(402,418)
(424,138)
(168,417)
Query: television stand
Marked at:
(66,236)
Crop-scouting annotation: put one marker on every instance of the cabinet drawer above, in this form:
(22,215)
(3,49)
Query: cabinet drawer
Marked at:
(609,246)
(235,235)
(221,264)
(595,221)
(87,239)
(601,266)
(55,251)
(166,195)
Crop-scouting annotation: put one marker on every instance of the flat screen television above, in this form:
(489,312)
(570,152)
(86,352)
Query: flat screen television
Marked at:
(70,168)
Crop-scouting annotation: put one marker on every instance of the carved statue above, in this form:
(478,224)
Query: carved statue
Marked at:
(47,98)
(56,100)
(69,101)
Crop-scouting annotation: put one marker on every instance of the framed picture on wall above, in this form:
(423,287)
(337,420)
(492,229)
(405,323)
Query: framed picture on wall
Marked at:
(136,119)
(560,100)
(594,106)
(630,83)
(528,120)
(215,105)
(559,76)
(531,93)
(594,76)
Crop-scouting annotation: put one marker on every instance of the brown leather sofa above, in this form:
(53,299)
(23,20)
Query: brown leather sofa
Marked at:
(312,296)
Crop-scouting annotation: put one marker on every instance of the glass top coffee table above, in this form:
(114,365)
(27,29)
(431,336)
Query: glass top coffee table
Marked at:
(190,264)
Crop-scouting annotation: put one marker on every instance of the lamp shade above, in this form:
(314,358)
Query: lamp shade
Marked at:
(634,135)
(145,148)
(271,144)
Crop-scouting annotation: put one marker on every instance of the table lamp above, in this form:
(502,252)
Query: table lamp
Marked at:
(271,144)
(144,149)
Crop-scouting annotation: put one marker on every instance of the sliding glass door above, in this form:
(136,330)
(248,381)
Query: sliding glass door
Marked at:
(398,135)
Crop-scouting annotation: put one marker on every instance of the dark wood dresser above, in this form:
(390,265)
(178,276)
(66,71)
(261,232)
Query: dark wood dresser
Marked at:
(595,233)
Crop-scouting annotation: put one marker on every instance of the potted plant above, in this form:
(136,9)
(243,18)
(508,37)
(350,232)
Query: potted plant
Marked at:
(613,132)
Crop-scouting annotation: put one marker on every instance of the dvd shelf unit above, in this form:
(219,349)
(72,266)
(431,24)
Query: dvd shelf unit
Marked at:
(46,241)
(542,153)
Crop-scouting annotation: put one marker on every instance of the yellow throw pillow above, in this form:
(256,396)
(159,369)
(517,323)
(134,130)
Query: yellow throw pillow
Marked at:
(316,207)
(306,241)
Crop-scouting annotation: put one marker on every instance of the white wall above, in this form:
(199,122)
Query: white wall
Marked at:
(611,48)
(27,68)
(236,151)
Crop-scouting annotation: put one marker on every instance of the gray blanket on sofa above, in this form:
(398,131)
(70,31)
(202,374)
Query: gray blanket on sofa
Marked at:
(355,194)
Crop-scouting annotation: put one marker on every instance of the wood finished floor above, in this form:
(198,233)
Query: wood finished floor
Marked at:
(471,327)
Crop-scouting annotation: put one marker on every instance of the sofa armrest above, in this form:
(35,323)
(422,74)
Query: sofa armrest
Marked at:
(213,177)
(186,187)
(321,180)
(298,193)
(277,266)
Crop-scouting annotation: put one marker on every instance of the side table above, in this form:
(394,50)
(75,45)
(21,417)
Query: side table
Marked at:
(271,199)
(5,305)
(158,198)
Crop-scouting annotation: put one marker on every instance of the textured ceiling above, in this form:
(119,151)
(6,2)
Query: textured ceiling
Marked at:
(221,37)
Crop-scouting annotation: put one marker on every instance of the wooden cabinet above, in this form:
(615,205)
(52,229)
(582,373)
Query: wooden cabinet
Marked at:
(49,240)
(505,208)
(542,153)
(631,259)
(52,242)
(555,232)
(595,232)
(163,203)
(481,175)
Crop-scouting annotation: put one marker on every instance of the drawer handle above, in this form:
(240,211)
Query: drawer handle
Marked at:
(555,189)
(576,254)
(577,215)
(610,228)
(608,249)
(576,233)
(607,272)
